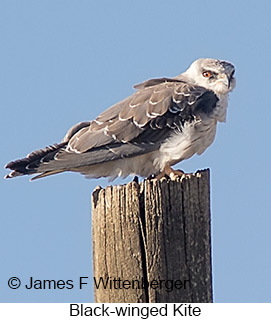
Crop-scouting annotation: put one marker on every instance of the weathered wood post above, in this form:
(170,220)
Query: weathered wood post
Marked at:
(151,241)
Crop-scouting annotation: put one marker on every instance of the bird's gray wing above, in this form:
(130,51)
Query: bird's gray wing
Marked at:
(160,105)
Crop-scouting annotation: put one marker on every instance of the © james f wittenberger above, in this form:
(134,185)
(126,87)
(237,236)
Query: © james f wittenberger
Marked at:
(100,283)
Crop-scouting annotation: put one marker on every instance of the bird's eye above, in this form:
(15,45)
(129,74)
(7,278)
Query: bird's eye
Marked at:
(207,74)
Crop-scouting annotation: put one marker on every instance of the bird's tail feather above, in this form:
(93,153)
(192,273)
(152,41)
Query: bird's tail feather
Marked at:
(30,164)
(56,159)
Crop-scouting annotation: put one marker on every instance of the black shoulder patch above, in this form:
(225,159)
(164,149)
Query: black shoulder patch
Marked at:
(206,103)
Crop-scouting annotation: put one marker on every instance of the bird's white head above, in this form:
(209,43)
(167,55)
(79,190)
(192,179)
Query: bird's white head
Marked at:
(212,74)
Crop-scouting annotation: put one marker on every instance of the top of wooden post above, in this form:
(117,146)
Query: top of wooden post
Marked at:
(156,232)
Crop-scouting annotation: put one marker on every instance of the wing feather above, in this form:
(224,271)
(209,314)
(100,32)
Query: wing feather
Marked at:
(158,104)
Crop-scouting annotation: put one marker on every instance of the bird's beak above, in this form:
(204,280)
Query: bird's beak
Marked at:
(225,80)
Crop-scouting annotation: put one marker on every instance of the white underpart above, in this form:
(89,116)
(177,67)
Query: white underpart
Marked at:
(194,138)
(140,165)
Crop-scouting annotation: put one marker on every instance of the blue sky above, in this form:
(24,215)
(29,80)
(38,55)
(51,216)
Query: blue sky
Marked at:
(66,61)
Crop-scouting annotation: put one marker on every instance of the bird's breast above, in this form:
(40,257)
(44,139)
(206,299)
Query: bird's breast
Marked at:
(194,138)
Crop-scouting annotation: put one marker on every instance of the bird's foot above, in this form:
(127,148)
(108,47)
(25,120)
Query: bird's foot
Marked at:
(175,173)
(171,173)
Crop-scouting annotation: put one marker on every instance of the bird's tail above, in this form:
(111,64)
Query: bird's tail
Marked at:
(30,164)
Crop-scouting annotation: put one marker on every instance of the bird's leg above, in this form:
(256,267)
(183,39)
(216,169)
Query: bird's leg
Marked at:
(171,173)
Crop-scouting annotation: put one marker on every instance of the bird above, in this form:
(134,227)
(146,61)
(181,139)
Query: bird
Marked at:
(165,121)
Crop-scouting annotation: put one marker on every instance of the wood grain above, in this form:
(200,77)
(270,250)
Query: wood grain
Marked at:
(151,241)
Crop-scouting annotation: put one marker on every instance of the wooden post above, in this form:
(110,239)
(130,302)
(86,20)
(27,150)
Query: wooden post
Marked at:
(151,241)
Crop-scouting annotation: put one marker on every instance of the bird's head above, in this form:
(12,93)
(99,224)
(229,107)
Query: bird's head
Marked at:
(212,74)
